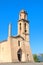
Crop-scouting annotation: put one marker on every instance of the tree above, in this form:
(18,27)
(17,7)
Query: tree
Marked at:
(42,55)
(35,58)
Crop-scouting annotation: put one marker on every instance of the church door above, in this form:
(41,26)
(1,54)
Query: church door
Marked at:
(19,54)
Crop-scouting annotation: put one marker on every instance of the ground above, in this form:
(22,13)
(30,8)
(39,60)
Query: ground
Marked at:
(21,63)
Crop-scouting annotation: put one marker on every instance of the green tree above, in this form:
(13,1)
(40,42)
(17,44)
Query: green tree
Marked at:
(42,55)
(35,58)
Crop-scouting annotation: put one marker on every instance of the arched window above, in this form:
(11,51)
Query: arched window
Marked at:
(25,27)
(18,43)
(20,26)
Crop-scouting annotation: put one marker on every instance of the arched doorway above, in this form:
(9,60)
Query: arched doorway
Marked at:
(19,54)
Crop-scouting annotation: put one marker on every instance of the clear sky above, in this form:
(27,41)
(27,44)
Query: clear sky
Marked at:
(9,13)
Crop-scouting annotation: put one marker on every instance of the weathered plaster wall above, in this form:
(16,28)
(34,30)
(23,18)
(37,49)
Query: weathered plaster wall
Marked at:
(5,51)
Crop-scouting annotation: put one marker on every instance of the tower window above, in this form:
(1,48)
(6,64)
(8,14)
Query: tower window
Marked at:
(18,43)
(20,26)
(27,54)
(25,27)
(25,30)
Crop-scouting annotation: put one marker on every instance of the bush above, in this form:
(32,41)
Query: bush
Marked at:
(35,58)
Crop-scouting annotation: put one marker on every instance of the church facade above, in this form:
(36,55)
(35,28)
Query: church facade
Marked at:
(17,48)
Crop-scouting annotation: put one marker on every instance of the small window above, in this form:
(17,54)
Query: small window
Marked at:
(25,27)
(18,43)
(20,26)
(25,30)
(27,54)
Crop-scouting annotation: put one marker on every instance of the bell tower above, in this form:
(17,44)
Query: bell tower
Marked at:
(23,30)
(23,25)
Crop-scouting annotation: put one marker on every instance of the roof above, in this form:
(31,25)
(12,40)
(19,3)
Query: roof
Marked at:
(3,41)
(17,36)
(23,11)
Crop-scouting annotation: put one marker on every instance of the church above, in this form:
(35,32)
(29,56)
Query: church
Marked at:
(17,48)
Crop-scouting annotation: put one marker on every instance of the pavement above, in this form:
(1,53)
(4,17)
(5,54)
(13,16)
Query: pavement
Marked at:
(21,63)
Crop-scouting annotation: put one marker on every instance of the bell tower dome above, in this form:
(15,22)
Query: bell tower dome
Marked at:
(23,15)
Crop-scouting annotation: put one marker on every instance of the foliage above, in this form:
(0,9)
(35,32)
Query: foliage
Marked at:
(42,55)
(35,58)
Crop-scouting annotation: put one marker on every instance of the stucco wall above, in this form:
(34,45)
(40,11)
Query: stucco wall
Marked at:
(24,46)
(9,49)
(15,48)
(5,51)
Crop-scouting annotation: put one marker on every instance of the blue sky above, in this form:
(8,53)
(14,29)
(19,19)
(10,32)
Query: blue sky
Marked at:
(9,13)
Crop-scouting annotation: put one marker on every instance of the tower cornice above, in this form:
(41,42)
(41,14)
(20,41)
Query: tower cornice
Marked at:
(23,20)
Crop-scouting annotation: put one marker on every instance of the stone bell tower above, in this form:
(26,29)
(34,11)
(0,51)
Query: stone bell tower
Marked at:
(23,30)
(23,25)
